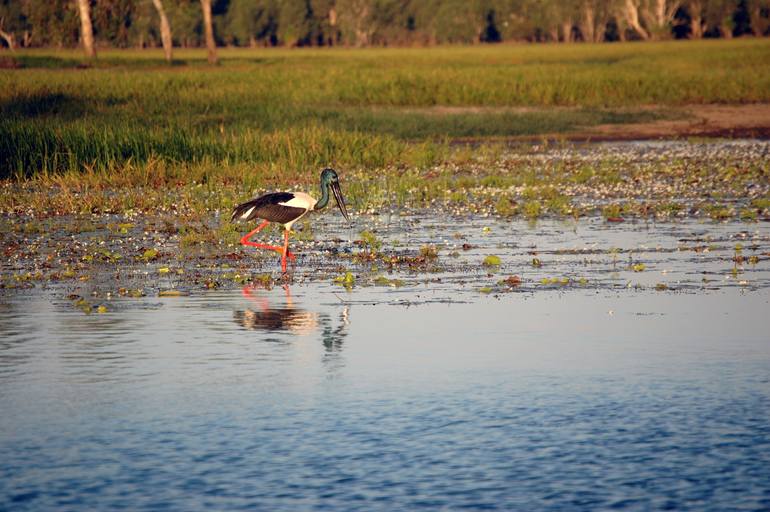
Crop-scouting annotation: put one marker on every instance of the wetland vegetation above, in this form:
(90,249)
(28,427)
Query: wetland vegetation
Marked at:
(291,110)
(131,149)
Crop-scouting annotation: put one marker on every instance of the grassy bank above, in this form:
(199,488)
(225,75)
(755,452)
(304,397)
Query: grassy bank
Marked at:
(290,111)
(717,180)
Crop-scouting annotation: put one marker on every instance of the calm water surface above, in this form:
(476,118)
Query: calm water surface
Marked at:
(426,396)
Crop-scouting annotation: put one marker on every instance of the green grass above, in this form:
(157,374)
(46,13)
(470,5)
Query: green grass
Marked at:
(293,110)
(131,133)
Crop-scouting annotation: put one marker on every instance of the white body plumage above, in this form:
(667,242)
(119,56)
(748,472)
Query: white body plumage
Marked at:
(300,200)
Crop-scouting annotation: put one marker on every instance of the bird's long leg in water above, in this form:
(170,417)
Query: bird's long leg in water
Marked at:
(285,250)
(245,241)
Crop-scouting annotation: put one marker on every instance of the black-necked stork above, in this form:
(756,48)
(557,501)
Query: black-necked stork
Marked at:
(286,208)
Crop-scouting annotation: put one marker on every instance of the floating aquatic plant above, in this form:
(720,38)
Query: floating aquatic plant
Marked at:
(347,280)
(384,281)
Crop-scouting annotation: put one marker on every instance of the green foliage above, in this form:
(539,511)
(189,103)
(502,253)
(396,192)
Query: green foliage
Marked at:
(384,281)
(612,211)
(347,280)
(719,212)
(371,242)
(294,22)
(504,207)
(532,209)
(150,255)
(126,23)
(248,21)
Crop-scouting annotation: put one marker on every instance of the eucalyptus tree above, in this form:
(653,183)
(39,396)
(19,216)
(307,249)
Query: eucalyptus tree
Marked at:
(208,28)
(593,19)
(460,21)
(628,13)
(355,18)
(659,16)
(8,37)
(719,17)
(165,30)
(12,21)
(250,21)
(295,22)
(759,16)
(86,29)
(327,27)
(697,24)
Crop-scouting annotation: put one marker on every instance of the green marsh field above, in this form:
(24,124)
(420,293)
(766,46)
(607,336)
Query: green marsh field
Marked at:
(269,117)
(128,144)
(298,109)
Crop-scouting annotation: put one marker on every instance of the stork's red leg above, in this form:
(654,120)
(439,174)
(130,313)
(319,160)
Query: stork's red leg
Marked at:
(245,240)
(285,249)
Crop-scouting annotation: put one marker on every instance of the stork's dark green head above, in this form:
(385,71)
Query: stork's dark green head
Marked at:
(330,180)
(329,176)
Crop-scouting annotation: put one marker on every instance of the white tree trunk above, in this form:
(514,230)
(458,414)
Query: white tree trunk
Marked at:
(631,15)
(659,15)
(695,8)
(10,40)
(553,34)
(754,16)
(165,30)
(209,29)
(587,27)
(86,29)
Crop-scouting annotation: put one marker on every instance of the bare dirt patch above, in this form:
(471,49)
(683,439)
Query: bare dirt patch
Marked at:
(750,121)
(702,121)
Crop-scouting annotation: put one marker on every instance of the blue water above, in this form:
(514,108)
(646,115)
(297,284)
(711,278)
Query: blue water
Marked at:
(582,400)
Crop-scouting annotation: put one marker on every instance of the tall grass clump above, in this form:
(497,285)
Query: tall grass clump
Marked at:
(30,148)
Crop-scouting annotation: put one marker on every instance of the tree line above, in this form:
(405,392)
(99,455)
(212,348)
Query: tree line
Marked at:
(192,23)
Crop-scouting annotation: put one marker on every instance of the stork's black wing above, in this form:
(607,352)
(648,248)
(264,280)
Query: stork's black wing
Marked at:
(268,207)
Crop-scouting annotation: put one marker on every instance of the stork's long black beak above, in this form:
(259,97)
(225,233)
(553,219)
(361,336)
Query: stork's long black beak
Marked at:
(340,200)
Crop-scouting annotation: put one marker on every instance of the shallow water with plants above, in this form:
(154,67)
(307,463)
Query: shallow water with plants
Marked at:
(413,361)
(567,326)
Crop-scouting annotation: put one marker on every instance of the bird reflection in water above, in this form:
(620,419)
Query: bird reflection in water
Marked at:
(292,319)
(283,318)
